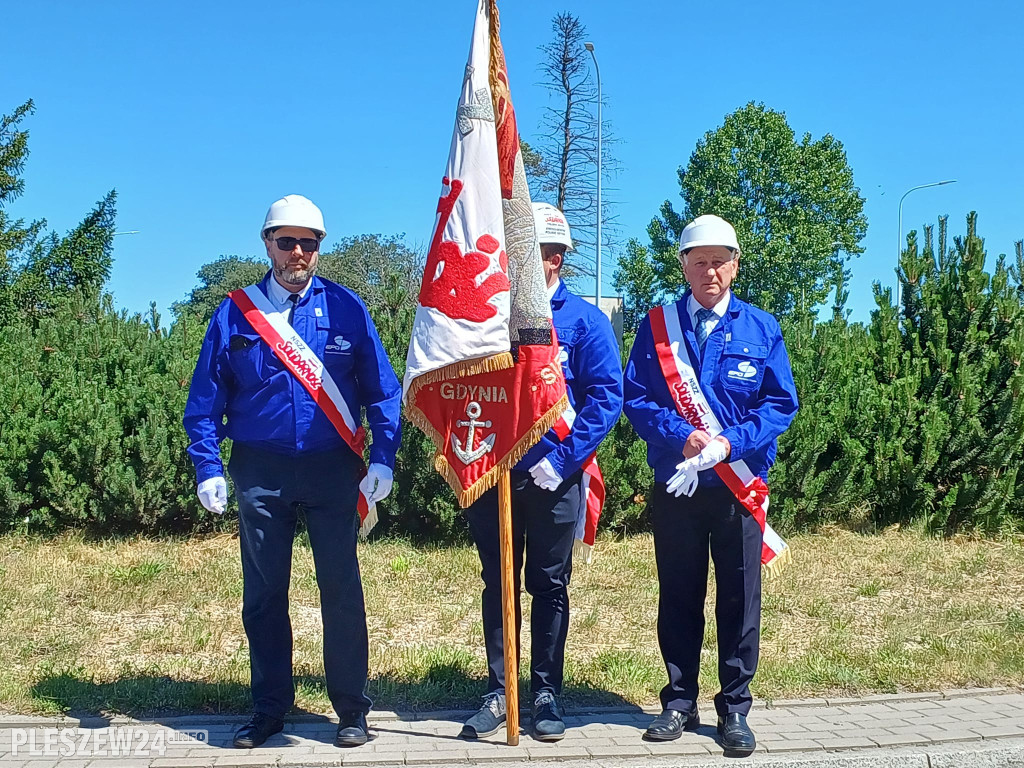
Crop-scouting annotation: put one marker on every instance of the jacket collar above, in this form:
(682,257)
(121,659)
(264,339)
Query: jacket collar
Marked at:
(734,308)
(316,285)
(560,295)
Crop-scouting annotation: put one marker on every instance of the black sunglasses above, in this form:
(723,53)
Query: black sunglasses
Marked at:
(309,244)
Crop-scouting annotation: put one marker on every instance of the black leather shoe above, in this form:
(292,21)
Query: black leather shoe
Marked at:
(670,724)
(547,721)
(735,735)
(487,721)
(352,730)
(259,728)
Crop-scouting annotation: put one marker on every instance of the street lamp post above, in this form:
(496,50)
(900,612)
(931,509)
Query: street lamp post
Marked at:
(899,249)
(597,289)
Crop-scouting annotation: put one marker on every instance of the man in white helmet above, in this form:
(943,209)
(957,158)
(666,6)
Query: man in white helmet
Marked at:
(286,371)
(709,388)
(547,497)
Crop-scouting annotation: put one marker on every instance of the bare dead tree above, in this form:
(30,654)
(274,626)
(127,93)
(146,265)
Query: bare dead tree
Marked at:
(565,173)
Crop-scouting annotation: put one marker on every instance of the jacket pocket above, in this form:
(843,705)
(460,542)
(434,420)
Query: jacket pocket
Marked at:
(743,365)
(245,356)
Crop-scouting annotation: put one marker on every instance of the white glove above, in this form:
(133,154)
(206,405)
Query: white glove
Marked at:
(377,484)
(545,475)
(685,479)
(213,494)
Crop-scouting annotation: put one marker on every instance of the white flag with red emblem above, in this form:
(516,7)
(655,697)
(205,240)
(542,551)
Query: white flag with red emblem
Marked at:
(482,376)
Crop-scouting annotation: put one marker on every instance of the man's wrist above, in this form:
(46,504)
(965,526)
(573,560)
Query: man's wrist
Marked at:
(728,445)
(209,470)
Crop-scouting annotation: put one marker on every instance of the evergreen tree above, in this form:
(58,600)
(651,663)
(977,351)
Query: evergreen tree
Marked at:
(950,431)
(40,269)
(820,475)
(15,236)
(90,434)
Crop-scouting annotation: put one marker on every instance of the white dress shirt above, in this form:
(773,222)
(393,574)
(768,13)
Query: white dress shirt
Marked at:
(278,294)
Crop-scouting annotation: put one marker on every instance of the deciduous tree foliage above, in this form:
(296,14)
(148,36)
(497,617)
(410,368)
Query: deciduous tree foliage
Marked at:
(637,279)
(797,212)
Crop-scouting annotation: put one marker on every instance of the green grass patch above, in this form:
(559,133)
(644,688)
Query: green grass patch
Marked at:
(153,626)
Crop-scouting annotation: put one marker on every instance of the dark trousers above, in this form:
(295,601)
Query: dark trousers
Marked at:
(683,530)
(272,490)
(544,526)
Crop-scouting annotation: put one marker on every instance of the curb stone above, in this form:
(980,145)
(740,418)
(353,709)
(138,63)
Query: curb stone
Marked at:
(8,721)
(1004,756)
(964,732)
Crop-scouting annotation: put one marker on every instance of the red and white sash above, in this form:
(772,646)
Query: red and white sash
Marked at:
(592,497)
(273,327)
(684,385)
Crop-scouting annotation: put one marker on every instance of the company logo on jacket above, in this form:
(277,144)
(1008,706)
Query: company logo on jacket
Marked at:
(340,345)
(744,370)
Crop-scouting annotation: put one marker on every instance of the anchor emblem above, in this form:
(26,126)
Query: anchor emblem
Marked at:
(469,454)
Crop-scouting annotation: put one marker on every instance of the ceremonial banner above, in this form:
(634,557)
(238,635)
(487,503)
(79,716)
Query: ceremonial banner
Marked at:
(749,489)
(482,377)
(302,362)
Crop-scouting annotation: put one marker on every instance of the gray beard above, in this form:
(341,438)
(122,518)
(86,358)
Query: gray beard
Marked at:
(293,276)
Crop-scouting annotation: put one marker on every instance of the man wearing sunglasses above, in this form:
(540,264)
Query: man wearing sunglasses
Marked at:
(287,369)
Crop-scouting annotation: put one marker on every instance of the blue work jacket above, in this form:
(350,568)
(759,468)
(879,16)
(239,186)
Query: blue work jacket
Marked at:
(593,378)
(242,391)
(753,409)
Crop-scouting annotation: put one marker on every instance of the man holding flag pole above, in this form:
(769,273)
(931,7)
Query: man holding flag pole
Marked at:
(549,498)
(483,378)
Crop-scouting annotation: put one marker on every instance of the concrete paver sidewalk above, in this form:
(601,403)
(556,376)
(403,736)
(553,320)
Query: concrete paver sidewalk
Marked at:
(984,728)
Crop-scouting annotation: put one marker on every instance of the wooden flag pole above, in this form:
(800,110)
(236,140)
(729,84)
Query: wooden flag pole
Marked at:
(509,600)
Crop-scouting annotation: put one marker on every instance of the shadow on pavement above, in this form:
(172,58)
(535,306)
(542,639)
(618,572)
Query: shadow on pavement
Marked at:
(443,690)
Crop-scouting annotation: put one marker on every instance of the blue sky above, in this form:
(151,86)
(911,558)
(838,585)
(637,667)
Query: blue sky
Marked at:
(201,114)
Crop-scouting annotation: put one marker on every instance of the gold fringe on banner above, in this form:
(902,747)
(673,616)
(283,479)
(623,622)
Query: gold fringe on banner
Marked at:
(496,63)
(770,570)
(499,362)
(583,552)
(367,525)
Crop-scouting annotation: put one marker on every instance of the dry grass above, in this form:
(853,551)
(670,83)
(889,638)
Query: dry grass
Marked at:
(146,626)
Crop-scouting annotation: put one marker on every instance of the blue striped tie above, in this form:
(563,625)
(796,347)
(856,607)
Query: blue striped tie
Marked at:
(703,315)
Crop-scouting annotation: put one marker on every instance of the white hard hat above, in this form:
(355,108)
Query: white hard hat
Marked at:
(708,230)
(551,225)
(294,211)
